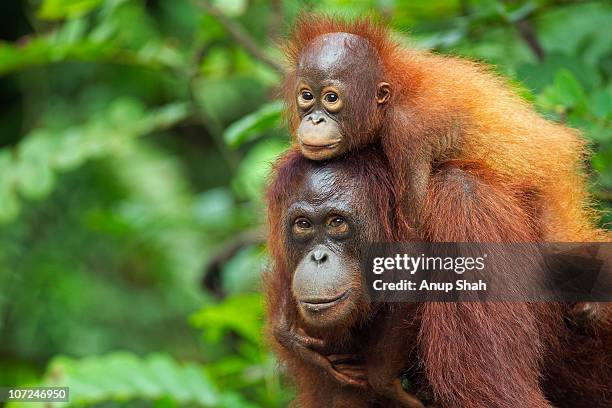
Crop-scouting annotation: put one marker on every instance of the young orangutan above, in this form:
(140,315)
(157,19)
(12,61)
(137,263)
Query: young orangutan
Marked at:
(350,84)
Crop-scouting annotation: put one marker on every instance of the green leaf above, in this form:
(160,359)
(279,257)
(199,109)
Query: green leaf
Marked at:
(254,169)
(568,88)
(166,372)
(539,75)
(199,385)
(169,115)
(123,376)
(598,133)
(35,180)
(577,28)
(564,94)
(214,209)
(242,273)
(232,8)
(70,152)
(43,153)
(249,127)
(9,205)
(521,12)
(600,103)
(59,9)
(33,175)
(242,314)
(67,45)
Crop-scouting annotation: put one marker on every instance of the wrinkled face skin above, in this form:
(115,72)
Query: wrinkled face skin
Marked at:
(324,229)
(339,93)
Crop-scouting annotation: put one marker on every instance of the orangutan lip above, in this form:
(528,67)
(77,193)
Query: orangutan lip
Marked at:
(321,147)
(321,304)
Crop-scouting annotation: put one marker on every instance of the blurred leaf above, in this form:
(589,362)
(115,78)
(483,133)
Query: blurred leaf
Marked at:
(565,93)
(597,133)
(123,376)
(600,103)
(58,48)
(229,97)
(265,118)
(33,175)
(195,380)
(58,9)
(9,205)
(242,273)
(232,8)
(538,76)
(166,372)
(35,180)
(44,152)
(240,313)
(254,169)
(521,12)
(576,29)
(568,88)
(215,209)
(71,32)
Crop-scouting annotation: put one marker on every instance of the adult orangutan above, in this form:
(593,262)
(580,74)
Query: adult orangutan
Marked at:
(343,351)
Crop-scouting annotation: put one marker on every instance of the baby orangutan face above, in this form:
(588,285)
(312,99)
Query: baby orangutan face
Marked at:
(338,94)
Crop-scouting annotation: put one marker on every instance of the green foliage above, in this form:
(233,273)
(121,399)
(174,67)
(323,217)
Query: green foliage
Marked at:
(30,168)
(254,124)
(135,141)
(124,377)
(58,9)
(563,95)
(242,314)
(253,170)
(248,369)
(76,41)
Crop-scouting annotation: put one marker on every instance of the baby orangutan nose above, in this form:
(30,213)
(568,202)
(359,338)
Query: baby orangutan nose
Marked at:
(316,118)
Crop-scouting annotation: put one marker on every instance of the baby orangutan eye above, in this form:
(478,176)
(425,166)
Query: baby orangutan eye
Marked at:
(331,97)
(307,96)
(332,101)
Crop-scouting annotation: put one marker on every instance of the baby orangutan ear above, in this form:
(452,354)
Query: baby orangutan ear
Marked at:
(383,93)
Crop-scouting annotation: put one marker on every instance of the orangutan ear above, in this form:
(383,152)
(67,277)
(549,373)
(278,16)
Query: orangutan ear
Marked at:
(383,93)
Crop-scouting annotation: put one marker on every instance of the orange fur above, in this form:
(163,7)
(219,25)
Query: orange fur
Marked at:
(463,354)
(466,112)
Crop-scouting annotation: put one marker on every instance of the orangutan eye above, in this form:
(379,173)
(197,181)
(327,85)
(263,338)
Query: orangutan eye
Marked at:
(307,96)
(303,224)
(302,228)
(337,225)
(336,222)
(331,97)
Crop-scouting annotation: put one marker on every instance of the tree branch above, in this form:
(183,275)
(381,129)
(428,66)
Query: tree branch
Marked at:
(240,36)
(528,35)
(212,271)
(525,29)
